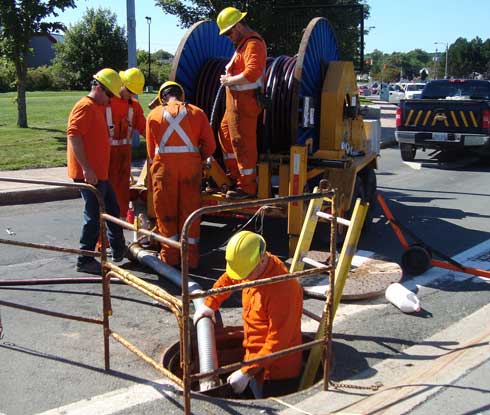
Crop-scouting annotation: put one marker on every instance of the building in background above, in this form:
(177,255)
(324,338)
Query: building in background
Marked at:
(43,51)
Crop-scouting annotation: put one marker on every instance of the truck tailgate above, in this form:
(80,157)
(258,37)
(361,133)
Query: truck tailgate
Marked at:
(451,116)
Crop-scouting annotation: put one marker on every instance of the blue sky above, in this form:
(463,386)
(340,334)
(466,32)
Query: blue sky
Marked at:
(397,25)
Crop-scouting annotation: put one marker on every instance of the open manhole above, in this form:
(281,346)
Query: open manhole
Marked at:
(229,350)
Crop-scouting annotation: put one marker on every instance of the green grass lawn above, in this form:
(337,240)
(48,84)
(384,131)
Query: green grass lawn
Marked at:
(43,144)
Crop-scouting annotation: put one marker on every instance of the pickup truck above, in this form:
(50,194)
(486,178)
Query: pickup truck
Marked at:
(451,115)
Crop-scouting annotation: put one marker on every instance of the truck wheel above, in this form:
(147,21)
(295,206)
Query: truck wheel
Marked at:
(407,151)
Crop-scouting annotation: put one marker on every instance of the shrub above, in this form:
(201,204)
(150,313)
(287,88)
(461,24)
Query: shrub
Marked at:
(39,79)
(7,76)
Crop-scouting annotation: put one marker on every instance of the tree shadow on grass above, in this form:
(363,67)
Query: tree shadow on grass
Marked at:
(52,130)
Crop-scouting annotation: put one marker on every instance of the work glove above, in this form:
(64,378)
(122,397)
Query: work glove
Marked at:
(238,381)
(203,311)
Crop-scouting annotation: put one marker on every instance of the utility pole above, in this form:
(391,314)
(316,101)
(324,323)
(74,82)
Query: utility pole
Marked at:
(131,23)
(436,59)
(148,20)
(447,50)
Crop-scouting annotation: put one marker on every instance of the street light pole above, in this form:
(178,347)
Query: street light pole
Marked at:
(447,50)
(148,20)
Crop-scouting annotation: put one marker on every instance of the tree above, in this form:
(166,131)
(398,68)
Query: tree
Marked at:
(273,19)
(460,58)
(160,66)
(21,19)
(93,43)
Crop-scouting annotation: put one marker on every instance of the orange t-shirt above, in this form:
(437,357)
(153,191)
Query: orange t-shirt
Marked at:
(87,120)
(195,124)
(119,109)
(250,58)
(271,320)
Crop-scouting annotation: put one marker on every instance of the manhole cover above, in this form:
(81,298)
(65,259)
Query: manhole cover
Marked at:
(367,280)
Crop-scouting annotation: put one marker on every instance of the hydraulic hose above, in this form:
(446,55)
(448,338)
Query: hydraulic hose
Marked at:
(208,357)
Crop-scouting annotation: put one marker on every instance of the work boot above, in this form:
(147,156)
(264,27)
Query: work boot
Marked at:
(119,256)
(89,267)
(211,189)
(238,194)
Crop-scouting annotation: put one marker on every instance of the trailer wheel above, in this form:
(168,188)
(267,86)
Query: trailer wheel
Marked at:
(416,260)
(359,193)
(407,151)
(368,177)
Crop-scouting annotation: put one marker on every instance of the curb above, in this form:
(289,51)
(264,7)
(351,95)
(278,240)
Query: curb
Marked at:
(45,194)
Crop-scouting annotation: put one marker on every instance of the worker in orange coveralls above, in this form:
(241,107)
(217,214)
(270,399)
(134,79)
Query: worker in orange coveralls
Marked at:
(178,138)
(244,81)
(88,155)
(271,316)
(124,116)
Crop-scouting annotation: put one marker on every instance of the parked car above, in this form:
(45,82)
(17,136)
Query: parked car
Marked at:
(413,90)
(397,92)
(363,90)
(374,88)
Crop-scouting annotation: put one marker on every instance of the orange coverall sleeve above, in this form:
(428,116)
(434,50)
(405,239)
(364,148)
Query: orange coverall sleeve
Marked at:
(214,301)
(254,57)
(207,142)
(152,130)
(139,120)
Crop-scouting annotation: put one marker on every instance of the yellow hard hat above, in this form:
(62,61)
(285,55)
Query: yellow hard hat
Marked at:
(133,79)
(227,18)
(168,84)
(110,79)
(243,254)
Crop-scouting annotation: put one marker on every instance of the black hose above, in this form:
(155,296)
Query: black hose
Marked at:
(275,129)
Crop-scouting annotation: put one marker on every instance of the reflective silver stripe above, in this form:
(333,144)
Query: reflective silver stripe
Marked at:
(193,241)
(228,65)
(229,156)
(120,142)
(174,237)
(110,126)
(130,123)
(177,149)
(108,118)
(246,172)
(251,85)
(174,125)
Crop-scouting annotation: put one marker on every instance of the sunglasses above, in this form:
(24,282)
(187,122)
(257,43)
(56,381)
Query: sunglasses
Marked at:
(229,32)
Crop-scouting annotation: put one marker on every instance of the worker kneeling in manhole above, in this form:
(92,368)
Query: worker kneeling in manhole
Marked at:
(271,317)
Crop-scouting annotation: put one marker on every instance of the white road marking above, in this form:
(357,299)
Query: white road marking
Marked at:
(413,165)
(118,400)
